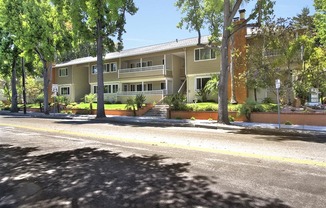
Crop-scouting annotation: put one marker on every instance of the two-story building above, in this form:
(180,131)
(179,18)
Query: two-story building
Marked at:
(154,71)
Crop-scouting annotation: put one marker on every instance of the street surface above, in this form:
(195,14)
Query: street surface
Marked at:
(81,163)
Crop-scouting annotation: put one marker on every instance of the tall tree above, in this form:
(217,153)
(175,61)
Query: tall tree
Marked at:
(320,20)
(37,28)
(9,54)
(218,15)
(101,21)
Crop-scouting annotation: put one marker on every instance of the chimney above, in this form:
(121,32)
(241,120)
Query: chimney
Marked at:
(242,14)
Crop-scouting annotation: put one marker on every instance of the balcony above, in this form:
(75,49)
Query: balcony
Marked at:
(148,71)
(151,92)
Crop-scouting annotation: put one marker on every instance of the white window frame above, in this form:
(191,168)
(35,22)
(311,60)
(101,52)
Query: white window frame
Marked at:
(133,88)
(94,69)
(149,87)
(111,88)
(108,67)
(61,70)
(64,87)
(204,77)
(199,55)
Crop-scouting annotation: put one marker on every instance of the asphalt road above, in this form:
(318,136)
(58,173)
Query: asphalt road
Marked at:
(71,163)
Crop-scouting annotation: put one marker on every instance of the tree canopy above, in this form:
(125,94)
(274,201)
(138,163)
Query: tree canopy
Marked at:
(100,21)
(218,17)
(37,29)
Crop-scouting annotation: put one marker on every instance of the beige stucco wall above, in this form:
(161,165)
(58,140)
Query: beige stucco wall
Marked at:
(178,71)
(199,67)
(80,80)
(66,79)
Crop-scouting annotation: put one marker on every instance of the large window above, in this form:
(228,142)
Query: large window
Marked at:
(63,72)
(65,91)
(110,88)
(204,54)
(111,67)
(139,87)
(201,82)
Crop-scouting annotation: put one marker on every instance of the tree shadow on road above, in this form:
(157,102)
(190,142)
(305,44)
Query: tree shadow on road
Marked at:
(91,177)
(279,135)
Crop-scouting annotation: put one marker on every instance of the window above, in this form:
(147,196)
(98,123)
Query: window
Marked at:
(125,88)
(139,87)
(138,65)
(201,82)
(132,88)
(64,91)
(144,64)
(149,63)
(111,88)
(114,88)
(132,65)
(204,54)
(106,88)
(63,72)
(94,69)
(149,87)
(163,86)
(111,67)
(94,89)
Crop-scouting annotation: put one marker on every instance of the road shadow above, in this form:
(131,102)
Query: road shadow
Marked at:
(91,177)
(283,135)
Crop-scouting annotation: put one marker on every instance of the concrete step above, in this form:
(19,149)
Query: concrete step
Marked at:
(158,111)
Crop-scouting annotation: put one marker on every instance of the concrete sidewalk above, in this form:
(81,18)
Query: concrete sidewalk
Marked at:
(155,121)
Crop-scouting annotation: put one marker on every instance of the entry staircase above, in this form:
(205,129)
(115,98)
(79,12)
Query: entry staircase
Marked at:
(158,110)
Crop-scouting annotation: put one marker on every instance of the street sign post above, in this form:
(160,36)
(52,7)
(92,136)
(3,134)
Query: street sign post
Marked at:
(277,86)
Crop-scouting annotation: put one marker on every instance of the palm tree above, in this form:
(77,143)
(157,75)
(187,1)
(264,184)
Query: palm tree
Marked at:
(211,86)
(90,98)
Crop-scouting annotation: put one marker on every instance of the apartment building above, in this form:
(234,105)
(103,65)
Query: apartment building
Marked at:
(154,71)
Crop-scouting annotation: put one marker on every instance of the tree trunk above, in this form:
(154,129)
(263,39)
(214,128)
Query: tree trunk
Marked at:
(223,82)
(45,88)
(233,97)
(100,83)
(14,102)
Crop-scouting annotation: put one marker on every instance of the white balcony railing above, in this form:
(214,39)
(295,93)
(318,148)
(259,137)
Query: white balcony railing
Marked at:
(152,92)
(141,69)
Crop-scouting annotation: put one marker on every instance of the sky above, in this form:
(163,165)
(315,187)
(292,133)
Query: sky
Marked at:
(156,20)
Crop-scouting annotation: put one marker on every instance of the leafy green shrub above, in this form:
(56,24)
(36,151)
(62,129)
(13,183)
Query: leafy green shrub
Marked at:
(248,107)
(267,100)
(210,108)
(231,118)
(288,123)
(192,118)
(176,101)
(269,107)
(2,105)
